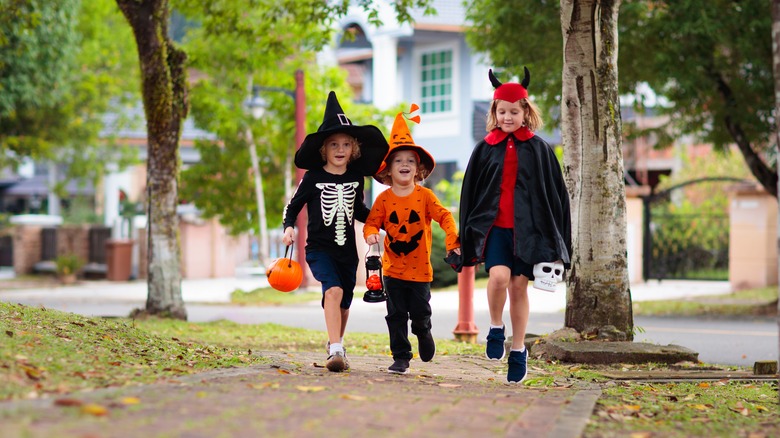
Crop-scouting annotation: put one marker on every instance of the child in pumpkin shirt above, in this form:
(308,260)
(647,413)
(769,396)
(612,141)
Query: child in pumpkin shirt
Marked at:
(405,211)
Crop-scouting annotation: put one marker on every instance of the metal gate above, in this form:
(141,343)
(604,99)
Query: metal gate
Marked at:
(685,243)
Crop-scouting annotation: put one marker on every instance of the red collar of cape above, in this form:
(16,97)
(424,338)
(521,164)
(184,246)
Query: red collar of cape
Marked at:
(496,136)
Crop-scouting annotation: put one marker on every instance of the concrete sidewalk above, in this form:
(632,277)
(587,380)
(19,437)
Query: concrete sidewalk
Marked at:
(293,395)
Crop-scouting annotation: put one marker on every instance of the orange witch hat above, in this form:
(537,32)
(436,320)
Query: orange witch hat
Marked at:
(401,140)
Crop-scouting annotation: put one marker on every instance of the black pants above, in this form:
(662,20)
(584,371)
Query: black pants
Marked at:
(406,300)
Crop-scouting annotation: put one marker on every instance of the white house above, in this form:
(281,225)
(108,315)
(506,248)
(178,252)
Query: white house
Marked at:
(428,63)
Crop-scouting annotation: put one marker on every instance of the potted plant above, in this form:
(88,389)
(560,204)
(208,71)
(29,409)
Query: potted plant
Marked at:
(68,266)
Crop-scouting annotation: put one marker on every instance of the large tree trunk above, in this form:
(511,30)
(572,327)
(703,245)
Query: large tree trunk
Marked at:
(598,293)
(776,71)
(164,86)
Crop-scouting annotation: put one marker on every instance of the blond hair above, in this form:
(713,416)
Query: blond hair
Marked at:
(352,141)
(533,119)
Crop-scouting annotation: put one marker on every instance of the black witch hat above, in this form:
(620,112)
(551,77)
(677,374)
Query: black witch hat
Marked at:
(373,145)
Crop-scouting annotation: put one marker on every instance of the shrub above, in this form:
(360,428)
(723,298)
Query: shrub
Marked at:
(68,264)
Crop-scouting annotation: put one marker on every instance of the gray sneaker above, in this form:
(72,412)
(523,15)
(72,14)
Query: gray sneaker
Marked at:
(337,362)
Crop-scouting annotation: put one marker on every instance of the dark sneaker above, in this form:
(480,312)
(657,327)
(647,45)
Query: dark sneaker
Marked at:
(518,366)
(337,362)
(495,344)
(426,346)
(399,366)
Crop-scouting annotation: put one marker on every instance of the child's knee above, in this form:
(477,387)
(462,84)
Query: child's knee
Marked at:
(334,293)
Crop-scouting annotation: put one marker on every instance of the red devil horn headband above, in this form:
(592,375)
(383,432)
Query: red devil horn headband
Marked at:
(511,91)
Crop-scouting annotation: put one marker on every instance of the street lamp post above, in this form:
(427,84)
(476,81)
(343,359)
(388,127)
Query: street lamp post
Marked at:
(299,96)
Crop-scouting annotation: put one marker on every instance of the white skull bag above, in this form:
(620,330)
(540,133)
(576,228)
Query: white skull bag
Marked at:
(547,275)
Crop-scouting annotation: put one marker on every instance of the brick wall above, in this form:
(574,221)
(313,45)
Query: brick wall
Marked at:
(27,247)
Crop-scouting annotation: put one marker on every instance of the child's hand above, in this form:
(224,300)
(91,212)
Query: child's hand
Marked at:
(454,251)
(373,239)
(289,234)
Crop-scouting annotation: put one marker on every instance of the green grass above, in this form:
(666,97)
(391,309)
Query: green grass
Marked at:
(46,351)
(753,302)
(271,297)
(722,408)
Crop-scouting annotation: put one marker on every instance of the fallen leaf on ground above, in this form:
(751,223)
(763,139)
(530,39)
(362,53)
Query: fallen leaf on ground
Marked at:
(94,409)
(353,397)
(310,388)
(264,385)
(130,401)
(68,402)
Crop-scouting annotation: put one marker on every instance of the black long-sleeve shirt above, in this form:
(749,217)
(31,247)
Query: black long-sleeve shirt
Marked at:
(332,202)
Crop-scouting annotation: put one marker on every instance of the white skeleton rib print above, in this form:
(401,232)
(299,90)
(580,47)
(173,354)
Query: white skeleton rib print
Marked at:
(337,202)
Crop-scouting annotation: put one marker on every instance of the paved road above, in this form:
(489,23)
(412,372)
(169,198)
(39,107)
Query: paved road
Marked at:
(720,341)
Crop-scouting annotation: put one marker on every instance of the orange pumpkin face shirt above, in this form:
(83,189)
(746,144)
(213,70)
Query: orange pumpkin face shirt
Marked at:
(407,221)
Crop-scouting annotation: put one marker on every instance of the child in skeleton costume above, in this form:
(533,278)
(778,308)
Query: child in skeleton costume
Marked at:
(405,211)
(514,213)
(338,157)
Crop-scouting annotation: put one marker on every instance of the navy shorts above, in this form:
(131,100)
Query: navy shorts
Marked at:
(332,272)
(499,250)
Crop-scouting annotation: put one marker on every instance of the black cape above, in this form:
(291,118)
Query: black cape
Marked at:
(542,231)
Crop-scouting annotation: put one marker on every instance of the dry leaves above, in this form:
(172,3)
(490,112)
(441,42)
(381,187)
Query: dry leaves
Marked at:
(310,388)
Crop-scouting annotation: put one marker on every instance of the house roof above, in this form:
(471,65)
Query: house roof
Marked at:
(448,12)
(39,185)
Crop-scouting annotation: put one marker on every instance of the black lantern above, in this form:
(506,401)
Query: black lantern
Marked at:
(374,282)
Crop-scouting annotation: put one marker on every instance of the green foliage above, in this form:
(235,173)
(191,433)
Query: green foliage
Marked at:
(67,264)
(64,66)
(710,62)
(220,185)
(690,226)
(37,50)
(224,47)
(537,44)
(443,274)
(448,192)
(80,210)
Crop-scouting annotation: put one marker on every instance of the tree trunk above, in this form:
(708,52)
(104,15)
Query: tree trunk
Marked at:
(164,86)
(598,292)
(776,71)
(263,247)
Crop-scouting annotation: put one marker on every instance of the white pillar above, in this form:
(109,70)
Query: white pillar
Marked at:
(113,183)
(385,85)
(53,199)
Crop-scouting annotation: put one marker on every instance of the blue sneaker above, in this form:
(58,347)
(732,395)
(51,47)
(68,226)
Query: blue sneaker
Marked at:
(495,344)
(518,366)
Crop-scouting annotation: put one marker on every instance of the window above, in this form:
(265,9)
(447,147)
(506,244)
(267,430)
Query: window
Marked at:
(436,82)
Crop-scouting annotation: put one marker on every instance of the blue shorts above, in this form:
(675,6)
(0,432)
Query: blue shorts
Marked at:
(499,250)
(332,272)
